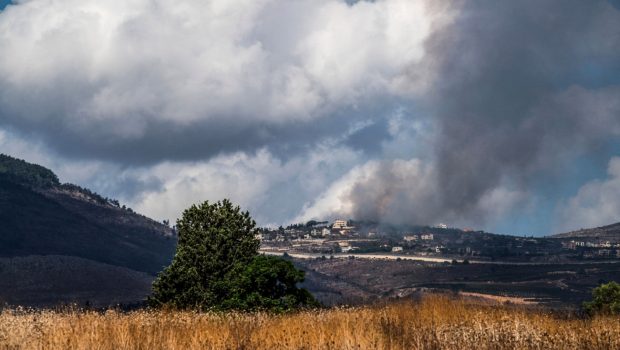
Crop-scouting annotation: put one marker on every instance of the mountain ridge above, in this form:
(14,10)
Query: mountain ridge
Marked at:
(607,232)
(41,216)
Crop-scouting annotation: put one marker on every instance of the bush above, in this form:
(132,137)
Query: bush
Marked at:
(267,283)
(606,300)
(216,266)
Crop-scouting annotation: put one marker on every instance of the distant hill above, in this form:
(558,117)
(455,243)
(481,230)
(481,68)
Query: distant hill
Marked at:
(606,233)
(39,216)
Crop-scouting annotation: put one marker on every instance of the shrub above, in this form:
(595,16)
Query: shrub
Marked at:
(267,283)
(606,300)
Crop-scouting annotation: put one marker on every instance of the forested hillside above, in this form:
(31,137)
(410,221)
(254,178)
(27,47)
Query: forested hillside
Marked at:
(39,216)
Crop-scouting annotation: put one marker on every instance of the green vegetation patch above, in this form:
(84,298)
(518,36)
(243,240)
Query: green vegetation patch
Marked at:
(24,173)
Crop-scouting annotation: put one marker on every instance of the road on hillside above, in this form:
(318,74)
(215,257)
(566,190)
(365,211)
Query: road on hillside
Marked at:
(428,259)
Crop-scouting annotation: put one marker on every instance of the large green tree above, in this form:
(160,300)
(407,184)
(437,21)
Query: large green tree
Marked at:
(217,266)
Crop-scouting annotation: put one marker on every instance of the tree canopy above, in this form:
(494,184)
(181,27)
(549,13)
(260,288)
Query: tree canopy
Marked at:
(31,175)
(606,299)
(217,266)
(267,283)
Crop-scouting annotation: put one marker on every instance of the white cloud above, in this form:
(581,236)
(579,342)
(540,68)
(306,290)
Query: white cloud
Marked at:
(271,189)
(597,203)
(115,67)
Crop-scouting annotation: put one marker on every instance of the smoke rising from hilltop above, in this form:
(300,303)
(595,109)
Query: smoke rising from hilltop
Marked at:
(512,99)
(509,100)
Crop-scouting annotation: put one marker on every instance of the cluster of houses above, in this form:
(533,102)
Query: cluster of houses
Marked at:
(574,245)
(415,238)
(594,249)
(341,236)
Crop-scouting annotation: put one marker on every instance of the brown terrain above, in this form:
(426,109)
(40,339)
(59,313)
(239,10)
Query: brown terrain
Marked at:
(357,281)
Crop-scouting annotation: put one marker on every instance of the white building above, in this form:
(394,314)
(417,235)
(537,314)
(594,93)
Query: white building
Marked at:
(397,249)
(427,237)
(346,249)
(410,238)
(339,224)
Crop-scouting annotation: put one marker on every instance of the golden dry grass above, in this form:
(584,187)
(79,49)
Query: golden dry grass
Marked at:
(435,323)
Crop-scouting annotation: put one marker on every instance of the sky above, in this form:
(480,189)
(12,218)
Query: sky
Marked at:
(496,115)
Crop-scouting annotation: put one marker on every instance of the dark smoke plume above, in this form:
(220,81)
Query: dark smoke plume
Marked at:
(513,95)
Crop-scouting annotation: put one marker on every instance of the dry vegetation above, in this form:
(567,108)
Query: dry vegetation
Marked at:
(435,323)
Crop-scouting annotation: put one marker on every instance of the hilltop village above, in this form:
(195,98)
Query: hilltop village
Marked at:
(355,237)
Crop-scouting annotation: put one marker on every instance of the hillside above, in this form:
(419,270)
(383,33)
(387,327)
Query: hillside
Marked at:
(39,216)
(603,233)
(39,281)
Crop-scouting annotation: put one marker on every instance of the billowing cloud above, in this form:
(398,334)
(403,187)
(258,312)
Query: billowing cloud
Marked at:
(143,81)
(597,203)
(272,189)
(511,92)
(513,99)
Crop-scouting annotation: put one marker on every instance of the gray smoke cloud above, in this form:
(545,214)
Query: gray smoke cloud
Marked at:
(518,90)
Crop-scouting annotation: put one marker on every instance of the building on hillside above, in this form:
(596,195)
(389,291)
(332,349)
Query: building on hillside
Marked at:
(397,249)
(346,249)
(339,224)
(410,238)
(427,237)
(569,245)
(443,226)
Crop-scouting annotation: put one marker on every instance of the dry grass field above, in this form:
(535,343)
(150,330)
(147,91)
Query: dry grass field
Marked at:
(434,323)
